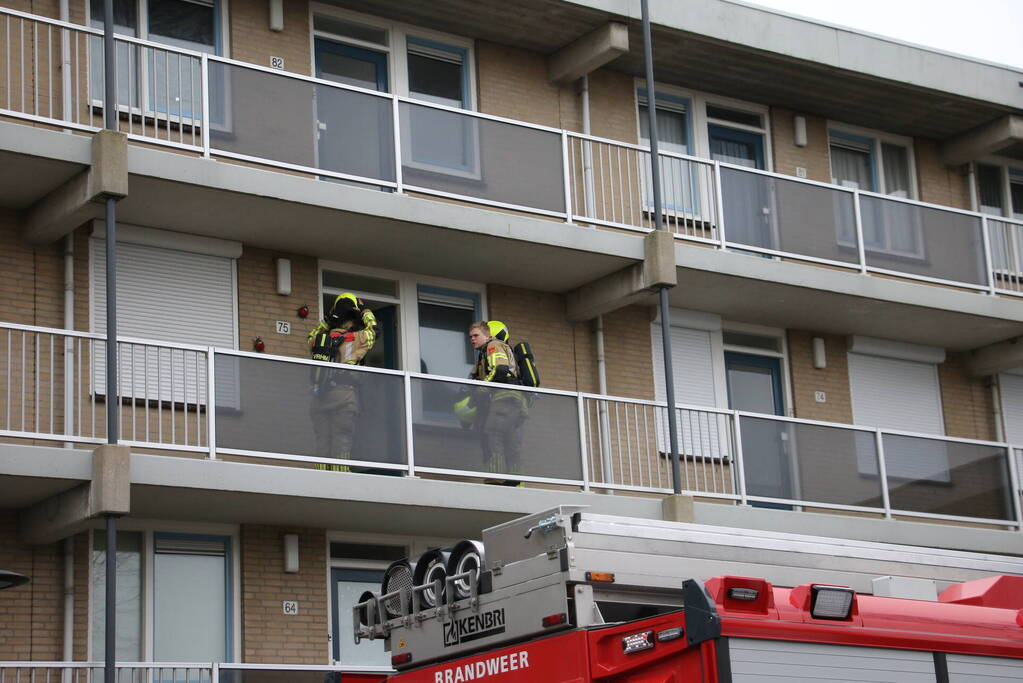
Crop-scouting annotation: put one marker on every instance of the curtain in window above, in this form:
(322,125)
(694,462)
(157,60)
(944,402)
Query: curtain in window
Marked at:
(989,186)
(850,166)
(733,152)
(1016,194)
(896,170)
(671,130)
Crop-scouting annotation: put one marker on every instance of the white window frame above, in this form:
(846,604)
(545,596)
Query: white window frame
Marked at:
(778,333)
(148,528)
(407,301)
(145,108)
(877,139)
(397,36)
(1006,168)
(699,121)
(396,50)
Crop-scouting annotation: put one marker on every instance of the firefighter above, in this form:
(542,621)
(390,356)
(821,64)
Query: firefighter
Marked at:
(498,414)
(345,335)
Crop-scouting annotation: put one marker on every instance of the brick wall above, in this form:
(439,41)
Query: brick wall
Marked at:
(966,401)
(31,291)
(253,41)
(33,621)
(513,83)
(938,183)
(268,635)
(566,352)
(832,380)
(787,157)
(260,306)
(613,106)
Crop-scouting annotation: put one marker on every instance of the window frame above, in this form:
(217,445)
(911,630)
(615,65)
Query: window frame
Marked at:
(1007,168)
(698,121)
(148,530)
(398,37)
(144,108)
(407,302)
(876,139)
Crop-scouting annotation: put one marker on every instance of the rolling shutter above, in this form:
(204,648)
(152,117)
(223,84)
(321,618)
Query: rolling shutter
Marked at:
(898,394)
(163,295)
(775,661)
(700,433)
(972,669)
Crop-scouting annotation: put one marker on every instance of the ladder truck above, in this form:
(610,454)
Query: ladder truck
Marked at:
(569,596)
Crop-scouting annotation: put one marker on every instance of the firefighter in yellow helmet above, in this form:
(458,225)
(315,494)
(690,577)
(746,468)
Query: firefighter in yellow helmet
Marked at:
(345,335)
(498,414)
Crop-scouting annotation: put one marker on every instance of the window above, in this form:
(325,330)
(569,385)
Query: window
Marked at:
(356,567)
(424,65)
(423,322)
(184,295)
(1000,190)
(175,596)
(153,81)
(881,163)
(695,124)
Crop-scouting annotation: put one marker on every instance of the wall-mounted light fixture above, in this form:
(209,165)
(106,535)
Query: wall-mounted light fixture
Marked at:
(820,356)
(284,276)
(799,131)
(277,15)
(291,553)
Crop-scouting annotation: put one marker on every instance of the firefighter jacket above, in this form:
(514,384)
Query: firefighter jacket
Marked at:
(495,362)
(350,347)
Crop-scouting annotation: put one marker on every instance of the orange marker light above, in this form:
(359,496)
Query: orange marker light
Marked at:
(600,577)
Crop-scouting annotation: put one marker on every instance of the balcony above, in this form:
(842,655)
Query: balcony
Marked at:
(216,108)
(222,404)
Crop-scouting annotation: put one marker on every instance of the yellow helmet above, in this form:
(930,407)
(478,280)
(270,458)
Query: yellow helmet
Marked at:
(345,307)
(498,330)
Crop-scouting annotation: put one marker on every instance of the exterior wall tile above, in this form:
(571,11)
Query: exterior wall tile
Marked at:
(940,184)
(253,41)
(260,306)
(966,401)
(807,380)
(268,635)
(788,157)
(33,623)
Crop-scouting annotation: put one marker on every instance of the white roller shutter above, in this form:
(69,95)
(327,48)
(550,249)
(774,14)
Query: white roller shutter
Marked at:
(775,661)
(972,669)
(700,433)
(1011,389)
(164,295)
(898,394)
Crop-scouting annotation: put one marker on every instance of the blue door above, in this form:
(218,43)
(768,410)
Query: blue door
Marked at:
(754,385)
(748,212)
(353,130)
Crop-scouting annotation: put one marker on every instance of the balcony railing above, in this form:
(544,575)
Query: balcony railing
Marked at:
(221,108)
(182,672)
(221,402)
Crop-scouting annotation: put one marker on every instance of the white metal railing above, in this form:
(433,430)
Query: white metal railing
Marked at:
(225,108)
(175,397)
(172,672)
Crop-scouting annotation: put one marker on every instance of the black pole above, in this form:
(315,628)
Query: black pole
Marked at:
(655,177)
(113,428)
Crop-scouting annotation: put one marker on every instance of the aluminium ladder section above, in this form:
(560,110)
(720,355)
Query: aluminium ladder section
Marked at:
(536,563)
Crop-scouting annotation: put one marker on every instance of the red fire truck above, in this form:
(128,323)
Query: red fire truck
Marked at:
(570,597)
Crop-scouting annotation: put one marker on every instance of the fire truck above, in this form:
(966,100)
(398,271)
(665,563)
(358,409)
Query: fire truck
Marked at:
(569,596)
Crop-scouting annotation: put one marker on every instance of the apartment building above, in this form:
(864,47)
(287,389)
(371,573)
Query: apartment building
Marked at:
(844,248)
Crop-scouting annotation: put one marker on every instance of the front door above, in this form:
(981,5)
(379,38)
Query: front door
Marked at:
(347,585)
(748,203)
(754,385)
(353,130)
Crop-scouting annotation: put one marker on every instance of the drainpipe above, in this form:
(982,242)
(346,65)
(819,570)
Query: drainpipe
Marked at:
(605,432)
(971,177)
(996,408)
(655,177)
(69,606)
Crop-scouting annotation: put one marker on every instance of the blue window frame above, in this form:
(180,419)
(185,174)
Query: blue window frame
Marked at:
(734,146)
(342,63)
